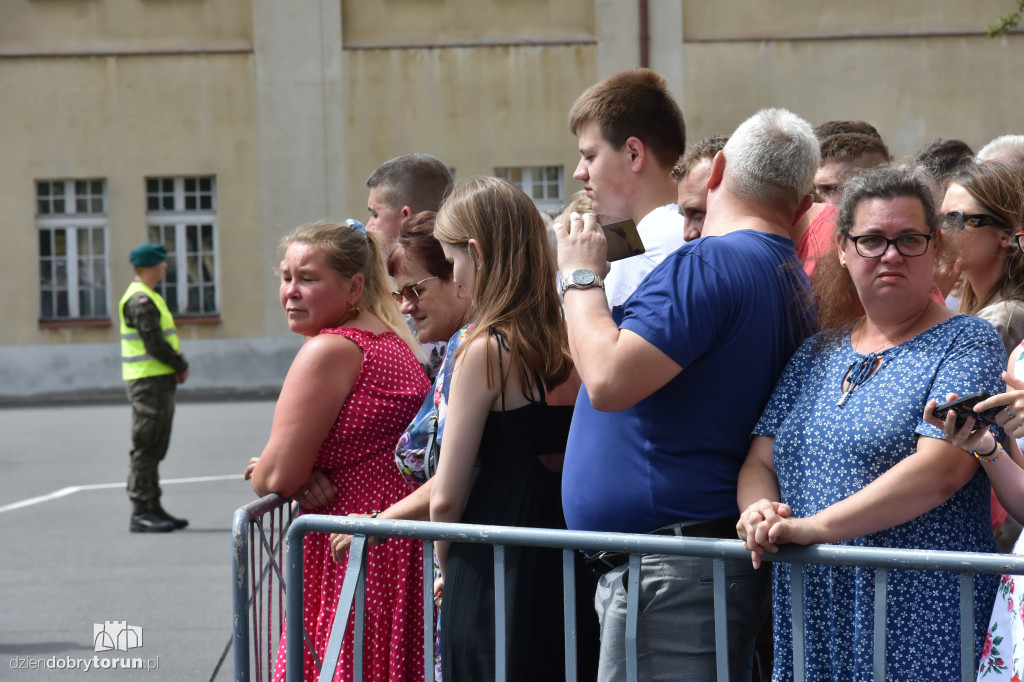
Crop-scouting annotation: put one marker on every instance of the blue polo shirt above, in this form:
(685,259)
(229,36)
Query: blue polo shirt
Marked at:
(730,310)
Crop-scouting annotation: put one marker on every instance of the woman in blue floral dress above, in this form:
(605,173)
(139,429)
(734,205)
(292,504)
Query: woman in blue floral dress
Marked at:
(843,455)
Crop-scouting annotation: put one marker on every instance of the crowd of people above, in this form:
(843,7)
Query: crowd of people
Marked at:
(767,369)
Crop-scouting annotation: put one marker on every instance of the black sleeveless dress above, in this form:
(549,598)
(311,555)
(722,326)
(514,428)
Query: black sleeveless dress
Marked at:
(511,487)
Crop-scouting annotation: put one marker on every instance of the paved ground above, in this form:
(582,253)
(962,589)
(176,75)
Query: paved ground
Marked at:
(68,562)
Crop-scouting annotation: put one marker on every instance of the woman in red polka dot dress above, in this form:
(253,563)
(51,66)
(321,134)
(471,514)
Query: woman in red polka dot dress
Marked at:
(349,394)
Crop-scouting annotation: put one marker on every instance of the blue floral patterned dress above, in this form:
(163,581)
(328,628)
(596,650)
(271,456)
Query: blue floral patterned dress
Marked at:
(411,452)
(828,448)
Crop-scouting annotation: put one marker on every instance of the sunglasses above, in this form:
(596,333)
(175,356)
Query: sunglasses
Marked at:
(958,220)
(409,293)
(1017,240)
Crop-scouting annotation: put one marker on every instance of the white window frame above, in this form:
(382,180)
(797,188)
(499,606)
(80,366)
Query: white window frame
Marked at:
(176,222)
(70,221)
(534,177)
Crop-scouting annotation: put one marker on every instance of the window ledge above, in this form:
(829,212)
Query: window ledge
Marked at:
(198,319)
(71,323)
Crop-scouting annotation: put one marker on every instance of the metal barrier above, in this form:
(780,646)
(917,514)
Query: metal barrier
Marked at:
(255,596)
(882,559)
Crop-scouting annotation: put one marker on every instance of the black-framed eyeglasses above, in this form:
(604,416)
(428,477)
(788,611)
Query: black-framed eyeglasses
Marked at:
(1016,240)
(958,220)
(410,293)
(875,245)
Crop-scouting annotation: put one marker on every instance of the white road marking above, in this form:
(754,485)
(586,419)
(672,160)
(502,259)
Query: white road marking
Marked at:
(64,492)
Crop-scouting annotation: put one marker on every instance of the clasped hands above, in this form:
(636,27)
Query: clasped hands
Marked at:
(314,495)
(765,525)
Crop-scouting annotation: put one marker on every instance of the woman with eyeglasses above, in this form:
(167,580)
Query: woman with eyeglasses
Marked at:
(512,390)
(842,454)
(428,293)
(983,210)
(352,388)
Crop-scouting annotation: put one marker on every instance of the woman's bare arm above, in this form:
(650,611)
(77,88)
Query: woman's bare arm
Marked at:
(314,391)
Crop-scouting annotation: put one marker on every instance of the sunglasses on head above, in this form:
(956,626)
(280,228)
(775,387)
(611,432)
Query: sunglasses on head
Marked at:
(410,293)
(958,220)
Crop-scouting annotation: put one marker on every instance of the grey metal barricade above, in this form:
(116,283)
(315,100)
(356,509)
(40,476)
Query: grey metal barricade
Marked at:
(258,535)
(883,560)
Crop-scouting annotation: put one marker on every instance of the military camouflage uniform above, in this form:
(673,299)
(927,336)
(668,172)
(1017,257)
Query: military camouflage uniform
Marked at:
(152,401)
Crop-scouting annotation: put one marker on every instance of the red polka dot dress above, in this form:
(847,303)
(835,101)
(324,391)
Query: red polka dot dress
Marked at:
(358,456)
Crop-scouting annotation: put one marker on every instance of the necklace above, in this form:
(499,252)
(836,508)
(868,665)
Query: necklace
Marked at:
(893,342)
(859,372)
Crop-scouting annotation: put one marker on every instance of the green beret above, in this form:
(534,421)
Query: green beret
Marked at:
(148,254)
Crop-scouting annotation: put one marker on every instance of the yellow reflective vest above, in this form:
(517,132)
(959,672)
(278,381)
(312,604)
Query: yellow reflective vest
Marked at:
(136,363)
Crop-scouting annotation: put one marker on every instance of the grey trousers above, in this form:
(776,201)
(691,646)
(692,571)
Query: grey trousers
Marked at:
(676,623)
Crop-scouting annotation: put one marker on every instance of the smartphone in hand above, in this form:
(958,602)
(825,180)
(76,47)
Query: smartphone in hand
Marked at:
(964,408)
(623,240)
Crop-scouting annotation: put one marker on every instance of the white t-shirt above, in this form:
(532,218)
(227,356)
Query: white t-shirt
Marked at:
(661,231)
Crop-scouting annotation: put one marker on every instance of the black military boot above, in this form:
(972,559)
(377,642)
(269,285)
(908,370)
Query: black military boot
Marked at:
(145,519)
(178,523)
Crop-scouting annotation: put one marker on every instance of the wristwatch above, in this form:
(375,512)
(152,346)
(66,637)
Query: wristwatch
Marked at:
(581,279)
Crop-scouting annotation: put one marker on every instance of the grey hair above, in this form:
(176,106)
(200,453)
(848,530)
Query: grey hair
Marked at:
(773,157)
(887,182)
(1005,148)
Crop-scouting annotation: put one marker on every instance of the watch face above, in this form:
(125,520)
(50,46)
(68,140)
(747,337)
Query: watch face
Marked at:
(582,278)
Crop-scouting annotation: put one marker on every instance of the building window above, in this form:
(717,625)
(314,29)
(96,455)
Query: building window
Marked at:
(71,219)
(542,183)
(181,214)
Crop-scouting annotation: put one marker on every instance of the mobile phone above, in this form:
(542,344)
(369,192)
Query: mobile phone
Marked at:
(623,240)
(964,408)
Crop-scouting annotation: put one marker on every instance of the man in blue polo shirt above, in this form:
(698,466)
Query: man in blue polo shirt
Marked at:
(671,394)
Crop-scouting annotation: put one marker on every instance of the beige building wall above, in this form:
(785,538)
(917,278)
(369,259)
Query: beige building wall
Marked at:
(480,84)
(111,90)
(292,105)
(916,71)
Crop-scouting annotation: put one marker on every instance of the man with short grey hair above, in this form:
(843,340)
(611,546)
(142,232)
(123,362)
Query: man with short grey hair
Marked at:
(670,395)
(402,187)
(1005,149)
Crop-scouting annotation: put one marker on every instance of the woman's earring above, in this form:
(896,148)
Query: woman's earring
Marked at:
(353,313)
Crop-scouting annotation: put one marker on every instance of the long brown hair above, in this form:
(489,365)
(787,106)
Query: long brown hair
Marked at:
(999,188)
(349,251)
(515,290)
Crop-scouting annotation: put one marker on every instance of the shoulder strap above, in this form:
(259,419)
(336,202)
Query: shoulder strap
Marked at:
(502,343)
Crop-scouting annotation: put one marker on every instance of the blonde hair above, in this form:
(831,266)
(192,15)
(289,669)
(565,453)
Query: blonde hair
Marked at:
(578,203)
(514,292)
(350,251)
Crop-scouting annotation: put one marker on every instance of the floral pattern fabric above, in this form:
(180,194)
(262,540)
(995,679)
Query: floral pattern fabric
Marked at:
(410,453)
(1002,656)
(828,448)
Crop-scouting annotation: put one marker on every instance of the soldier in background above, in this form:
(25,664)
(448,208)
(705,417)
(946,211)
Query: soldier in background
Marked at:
(152,365)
